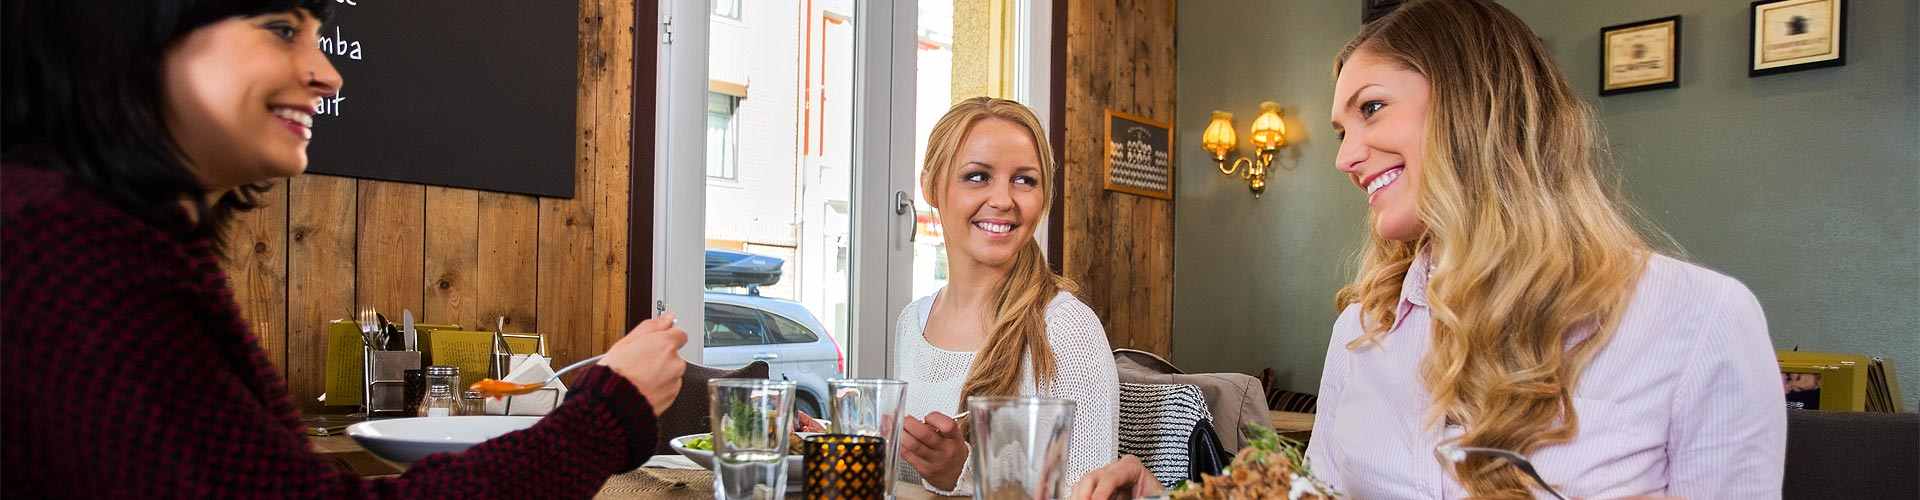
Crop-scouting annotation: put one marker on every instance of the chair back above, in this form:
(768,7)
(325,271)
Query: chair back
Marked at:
(1235,400)
(688,415)
(1852,455)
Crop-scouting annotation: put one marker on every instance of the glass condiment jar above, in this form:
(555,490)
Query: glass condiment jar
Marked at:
(474,403)
(440,402)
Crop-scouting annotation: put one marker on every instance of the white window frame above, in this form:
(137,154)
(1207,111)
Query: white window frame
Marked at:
(883,117)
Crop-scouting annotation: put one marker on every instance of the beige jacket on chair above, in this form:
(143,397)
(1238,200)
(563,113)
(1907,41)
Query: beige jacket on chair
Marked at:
(1235,399)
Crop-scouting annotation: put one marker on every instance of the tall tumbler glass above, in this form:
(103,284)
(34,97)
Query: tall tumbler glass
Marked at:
(869,407)
(1019,446)
(751,419)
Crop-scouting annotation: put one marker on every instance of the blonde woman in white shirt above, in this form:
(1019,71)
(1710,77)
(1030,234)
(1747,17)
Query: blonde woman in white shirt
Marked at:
(1505,299)
(1005,324)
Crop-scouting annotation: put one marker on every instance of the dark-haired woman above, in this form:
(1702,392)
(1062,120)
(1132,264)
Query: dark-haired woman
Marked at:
(132,132)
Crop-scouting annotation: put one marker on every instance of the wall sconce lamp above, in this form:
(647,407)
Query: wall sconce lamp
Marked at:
(1268,134)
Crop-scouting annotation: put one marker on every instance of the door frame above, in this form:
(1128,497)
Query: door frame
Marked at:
(646,210)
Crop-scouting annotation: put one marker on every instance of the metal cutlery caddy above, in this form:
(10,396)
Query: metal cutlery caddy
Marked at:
(388,350)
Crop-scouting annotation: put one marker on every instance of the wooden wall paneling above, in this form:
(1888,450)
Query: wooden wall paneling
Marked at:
(572,299)
(612,168)
(256,268)
(505,276)
(1117,245)
(452,290)
(392,247)
(1160,252)
(1086,233)
(321,234)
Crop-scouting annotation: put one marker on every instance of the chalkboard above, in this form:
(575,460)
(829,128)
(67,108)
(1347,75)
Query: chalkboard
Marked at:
(473,93)
(1139,157)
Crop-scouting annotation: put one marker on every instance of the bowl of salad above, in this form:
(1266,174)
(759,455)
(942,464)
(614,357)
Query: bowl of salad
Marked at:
(699,449)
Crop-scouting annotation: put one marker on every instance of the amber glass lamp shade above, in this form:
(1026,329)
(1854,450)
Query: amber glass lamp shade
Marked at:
(1269,131)
(1219,137)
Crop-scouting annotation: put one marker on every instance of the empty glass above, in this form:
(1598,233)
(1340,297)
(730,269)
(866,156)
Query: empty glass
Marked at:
(869,407)
(750,419)
(1019,446)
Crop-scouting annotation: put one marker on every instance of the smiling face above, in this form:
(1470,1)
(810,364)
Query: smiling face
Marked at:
(1380,111)
(241,93)
(992,198)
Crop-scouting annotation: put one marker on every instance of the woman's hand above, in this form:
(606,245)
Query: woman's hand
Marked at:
(936,448)
(649,358)
(802,422)
(1126,476)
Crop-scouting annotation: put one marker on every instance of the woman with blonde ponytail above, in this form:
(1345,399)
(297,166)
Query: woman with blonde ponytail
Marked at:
(1505,299)
(1004,325)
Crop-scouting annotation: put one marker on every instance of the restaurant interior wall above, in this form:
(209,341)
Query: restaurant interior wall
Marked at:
(323,245)
(1805,186)
(1119,247)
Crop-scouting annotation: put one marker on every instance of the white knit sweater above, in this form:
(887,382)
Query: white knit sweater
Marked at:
(1084,374)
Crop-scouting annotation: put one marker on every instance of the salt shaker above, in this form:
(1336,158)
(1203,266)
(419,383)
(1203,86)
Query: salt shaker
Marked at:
(440,402)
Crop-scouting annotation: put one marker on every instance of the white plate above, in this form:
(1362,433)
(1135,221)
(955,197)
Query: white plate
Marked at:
(409,439)
(795,463)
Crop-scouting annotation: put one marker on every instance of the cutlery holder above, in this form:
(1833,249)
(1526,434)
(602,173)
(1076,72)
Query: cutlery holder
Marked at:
(386,381)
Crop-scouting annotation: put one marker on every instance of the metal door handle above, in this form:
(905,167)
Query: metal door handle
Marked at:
(766,356)
(903,205)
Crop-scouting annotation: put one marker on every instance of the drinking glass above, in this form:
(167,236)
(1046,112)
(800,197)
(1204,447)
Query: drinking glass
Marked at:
(869,407)
(1019,446)
(750,420)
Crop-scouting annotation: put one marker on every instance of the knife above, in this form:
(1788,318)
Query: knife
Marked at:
(406,329)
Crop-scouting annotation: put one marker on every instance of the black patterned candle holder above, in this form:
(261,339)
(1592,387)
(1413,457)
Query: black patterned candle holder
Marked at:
(842,466)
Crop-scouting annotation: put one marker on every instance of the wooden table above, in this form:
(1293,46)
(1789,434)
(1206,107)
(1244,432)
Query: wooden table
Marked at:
(1287,421)
(1292,425)
(348,453)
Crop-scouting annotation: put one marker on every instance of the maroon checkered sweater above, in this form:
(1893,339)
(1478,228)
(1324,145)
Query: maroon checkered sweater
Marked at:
(128,373)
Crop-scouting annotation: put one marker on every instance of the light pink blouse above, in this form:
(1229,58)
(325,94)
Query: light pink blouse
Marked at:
(1685,400)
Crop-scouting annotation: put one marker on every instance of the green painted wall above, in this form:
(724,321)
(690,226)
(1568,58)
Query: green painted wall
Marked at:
(1805,186)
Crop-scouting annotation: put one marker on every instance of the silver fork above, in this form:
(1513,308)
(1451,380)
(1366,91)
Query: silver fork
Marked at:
(1455,454)
(369,321)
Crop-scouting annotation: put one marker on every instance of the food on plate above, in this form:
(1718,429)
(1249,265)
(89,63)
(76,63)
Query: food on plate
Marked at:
(1270,466)
(795,443)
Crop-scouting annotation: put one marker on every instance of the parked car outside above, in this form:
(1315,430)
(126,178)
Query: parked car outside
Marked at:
(741,329)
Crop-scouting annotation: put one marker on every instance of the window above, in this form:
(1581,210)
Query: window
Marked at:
(723,136)
(729,9)
(791,332)
(733,325)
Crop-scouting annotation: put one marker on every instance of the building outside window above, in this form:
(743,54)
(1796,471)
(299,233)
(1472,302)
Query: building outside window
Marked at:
(729,9)
(723,137)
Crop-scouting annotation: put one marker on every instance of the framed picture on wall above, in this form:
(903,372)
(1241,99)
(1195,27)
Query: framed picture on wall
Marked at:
(1139,157)
(1375,9)
(1792,35)
(1640,56)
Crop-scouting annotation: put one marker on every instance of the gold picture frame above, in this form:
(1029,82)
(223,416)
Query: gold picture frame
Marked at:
(1640,56)
(1794,35)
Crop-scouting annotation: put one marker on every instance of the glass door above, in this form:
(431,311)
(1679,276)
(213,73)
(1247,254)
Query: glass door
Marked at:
(788,222)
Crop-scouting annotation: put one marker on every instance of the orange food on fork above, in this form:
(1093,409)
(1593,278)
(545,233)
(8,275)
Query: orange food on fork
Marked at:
(501,388)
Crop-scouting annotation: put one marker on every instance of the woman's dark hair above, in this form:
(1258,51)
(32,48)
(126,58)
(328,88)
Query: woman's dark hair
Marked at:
(83,95)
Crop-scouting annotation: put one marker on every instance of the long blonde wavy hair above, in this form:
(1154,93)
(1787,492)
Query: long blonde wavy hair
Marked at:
(1019,325)
(1534,255)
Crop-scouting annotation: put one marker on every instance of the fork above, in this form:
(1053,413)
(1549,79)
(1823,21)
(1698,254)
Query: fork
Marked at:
(369,320)
(1455,454)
